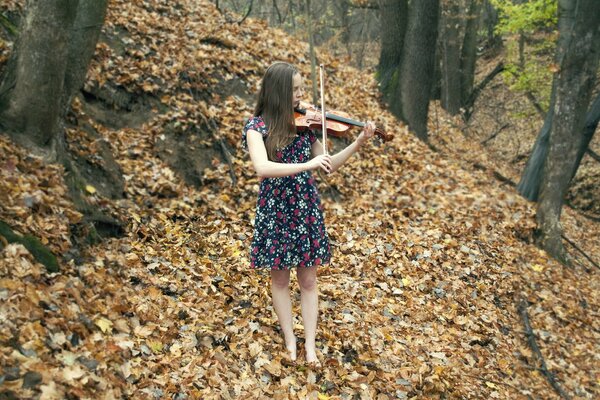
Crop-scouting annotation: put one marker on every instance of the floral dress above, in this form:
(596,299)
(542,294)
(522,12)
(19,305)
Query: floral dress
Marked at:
(289,229)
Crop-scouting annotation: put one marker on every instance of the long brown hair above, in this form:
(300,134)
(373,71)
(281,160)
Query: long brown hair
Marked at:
(275,105)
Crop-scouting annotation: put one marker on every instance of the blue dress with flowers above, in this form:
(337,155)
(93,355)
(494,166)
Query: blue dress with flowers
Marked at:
(289,229)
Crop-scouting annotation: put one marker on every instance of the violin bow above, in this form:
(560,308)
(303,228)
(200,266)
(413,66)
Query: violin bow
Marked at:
(323,120)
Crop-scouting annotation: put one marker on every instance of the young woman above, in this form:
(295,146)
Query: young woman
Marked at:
(289,231)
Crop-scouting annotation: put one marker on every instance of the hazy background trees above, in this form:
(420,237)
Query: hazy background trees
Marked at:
(427,50)
(420,51)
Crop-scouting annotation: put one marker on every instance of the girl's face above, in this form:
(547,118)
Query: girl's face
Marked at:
(298,90)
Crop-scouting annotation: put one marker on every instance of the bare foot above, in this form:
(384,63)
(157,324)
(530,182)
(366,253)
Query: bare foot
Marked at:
(311,356)
(290,345)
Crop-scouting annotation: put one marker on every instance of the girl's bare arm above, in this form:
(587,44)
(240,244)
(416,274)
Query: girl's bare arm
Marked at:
(269,169)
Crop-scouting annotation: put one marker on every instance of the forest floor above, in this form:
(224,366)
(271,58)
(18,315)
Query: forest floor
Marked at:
(432,253)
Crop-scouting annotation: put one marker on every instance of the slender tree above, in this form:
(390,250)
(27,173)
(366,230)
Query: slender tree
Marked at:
(450,56)
(394,19)
(313,59)
(579,20)
(417,66)
(82,45)
(468,56)
(591,123)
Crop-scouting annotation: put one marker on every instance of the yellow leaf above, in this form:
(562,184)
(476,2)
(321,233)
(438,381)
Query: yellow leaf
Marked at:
(155,346)
(491,385)
(90,189)
(322,396)
(537,267)
(104,324)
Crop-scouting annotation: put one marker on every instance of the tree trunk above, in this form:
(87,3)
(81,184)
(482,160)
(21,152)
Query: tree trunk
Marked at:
(591,123)
(417,67)
(393,20)
(490,20)
(450,57)
(343,10)
(313,61)
(33,86)
(82,45)
(531,178)
(469,51)
(363,37)
(574,83)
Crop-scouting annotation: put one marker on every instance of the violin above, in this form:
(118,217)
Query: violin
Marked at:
(338,123)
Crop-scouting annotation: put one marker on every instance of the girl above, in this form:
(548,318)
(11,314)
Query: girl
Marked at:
(289,230)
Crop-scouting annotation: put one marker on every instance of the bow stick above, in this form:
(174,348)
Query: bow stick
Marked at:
(323,120)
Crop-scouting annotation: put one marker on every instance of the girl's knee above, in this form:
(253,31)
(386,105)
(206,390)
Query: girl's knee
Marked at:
(307,279)
(280,279)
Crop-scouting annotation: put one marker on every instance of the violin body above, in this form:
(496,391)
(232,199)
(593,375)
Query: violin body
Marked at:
(338,123)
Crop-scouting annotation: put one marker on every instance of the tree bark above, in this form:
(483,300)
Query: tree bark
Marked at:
(450,57)
(313,60)
(574,83)
(394,19)
(591,123)
(531,178)
(417,67)
(82,45)
(469,51)
(490,20)
(31,90)
(343,8)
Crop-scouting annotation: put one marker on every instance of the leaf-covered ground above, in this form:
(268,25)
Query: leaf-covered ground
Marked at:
(431,255)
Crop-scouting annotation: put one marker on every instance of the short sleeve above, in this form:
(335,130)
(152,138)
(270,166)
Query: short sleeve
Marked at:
(256,124)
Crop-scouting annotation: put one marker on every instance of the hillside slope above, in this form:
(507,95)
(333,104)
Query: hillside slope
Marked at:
(431,255)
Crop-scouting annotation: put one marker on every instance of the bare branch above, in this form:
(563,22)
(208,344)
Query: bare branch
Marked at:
(247,13)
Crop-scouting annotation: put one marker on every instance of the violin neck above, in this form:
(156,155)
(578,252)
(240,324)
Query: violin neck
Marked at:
(344,120)
(337,118)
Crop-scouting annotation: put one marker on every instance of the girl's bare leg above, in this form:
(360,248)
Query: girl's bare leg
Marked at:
(280,290)
(309,299)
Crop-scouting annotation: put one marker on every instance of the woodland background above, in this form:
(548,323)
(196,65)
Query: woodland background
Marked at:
(126,205)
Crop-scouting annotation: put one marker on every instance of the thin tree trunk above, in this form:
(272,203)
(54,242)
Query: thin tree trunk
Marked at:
(343,9)
(313,62)
(450,58)
(591,123)
(393,19)
(469,51)
(364,33)
(33,86)
(276,8)
(418,60)
(531,178)
(82,45)
(490,16)
(470,104)
(574,83)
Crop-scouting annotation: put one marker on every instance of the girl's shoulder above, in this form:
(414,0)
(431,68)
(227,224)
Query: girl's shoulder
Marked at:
(257,124)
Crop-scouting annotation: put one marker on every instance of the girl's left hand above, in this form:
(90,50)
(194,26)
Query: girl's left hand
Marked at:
(367,133)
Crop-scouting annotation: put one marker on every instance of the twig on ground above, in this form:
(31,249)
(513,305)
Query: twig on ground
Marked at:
(522,308)
(581,251)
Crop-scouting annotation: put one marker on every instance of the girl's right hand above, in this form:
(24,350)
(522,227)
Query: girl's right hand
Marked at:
(322,161)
